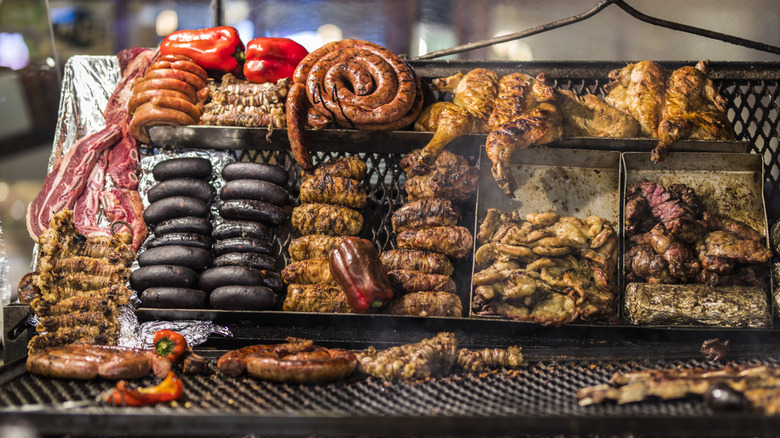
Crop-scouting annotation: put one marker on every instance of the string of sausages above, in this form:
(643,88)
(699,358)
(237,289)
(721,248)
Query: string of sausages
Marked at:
(356,84)
(170,93)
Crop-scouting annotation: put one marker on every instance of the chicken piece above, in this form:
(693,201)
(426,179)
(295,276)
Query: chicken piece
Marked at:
(453,241)
(475,91)
(639,90)
(312,246)
(344,167)
(318,218)
(693,109)
(425,213)
(451,178)
(591,116)
(318,298)
(448,122)
(310,271)
(334,190)
(425,261)
(525,115)
(426,303)
(407,280)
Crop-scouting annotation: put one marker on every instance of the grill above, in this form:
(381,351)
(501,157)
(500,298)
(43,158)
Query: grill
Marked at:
(539,399)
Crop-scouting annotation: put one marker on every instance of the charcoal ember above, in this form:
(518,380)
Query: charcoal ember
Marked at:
(714,350)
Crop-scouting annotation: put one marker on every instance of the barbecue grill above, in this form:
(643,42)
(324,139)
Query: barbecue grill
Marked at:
(537,399)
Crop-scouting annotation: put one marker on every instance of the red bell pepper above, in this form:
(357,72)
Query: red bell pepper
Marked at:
(356,266)
(215,48)
(169,344)
(170,389)
(271,59)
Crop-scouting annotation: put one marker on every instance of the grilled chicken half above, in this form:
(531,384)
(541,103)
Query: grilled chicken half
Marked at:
(476,92)
(525,114)
(591,116)
(639,90)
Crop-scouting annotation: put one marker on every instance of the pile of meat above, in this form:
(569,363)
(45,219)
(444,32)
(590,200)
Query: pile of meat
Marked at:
(237,102)
(672,239)
(330,195)
(77,180)
(546,269)
(428,236)
(518,111)
(81,284)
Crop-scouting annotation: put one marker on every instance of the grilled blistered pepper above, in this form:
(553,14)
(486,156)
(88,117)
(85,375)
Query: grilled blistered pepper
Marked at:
(170,389)
(356,266)
(215,48)
(271,59)
(169,344)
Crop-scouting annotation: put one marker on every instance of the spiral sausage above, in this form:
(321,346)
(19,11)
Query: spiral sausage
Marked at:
(168,94)
(357,84)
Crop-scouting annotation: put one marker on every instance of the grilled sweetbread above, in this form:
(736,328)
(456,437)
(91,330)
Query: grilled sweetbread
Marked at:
(333,220)
(331,189)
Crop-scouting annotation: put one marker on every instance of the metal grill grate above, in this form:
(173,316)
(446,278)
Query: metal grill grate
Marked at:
(544,390)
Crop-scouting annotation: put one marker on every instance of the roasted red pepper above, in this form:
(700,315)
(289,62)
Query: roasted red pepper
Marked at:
(271,59)
(169,344)
(215,48)
(170,389)
(355,264)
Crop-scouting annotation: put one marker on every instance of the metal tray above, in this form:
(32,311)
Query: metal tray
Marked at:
(729,184)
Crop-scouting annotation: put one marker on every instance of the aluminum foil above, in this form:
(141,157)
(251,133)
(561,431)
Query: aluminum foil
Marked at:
(87,84)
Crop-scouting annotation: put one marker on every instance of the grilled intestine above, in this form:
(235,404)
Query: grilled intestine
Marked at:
(672,239)
(330,195)
(237,102)
(545,269)
(81,281)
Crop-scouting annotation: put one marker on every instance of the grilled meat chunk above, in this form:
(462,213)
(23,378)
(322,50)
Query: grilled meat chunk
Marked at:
(477,361)
(312,246)
(320,298)
(425,261)
(344,167)
(450,177)
(407,280)
(333,190)
(591,116)
(454,241)
(104,319)
(425,213)
(525,114)
(80,361)
(236,102)
(426,303)
(318,218)
(309,271)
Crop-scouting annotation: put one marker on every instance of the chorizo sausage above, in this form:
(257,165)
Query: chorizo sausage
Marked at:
(149,115)
(177,104)
(166,84)
(172,73)
(295,107)
(138,99)
(180,64)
